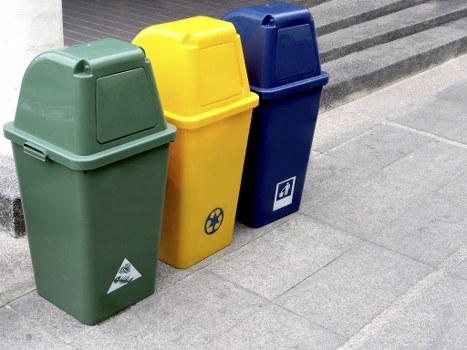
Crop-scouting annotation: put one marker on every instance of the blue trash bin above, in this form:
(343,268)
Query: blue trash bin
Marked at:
(282,60)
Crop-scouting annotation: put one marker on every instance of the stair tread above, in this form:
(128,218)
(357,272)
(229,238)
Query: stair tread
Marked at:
(337,14)
(355,75)
(390,27)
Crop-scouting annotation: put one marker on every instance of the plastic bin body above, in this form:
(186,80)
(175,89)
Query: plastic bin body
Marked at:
(200,72)
(282,61)
(93,209)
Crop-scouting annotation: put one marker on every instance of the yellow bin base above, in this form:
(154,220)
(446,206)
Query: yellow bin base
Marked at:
(205,171)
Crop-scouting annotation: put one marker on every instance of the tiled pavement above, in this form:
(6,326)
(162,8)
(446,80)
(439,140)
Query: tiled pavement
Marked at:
(375,259)
(85,20)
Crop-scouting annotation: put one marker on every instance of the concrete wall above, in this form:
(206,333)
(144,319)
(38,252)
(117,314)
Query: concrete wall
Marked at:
(28,27)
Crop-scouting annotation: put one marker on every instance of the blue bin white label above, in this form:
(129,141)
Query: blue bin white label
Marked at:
(284,193)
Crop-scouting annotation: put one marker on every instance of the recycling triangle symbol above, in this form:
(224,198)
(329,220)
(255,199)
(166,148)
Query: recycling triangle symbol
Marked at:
(125,274)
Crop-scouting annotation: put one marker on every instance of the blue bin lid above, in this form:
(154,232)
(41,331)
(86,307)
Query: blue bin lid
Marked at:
(279,44)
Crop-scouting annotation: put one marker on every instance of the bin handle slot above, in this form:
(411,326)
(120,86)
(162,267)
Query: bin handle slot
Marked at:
(35,151)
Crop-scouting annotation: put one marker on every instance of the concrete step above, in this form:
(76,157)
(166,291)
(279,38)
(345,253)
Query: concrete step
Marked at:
(390,27)
(357,74)
(11,211)
(338,14)
(309,3)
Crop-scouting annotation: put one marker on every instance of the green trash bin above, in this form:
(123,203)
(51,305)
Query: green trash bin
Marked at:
(91,150)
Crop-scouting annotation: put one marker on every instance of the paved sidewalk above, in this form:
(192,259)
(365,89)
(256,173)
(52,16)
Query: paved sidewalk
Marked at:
(375,259)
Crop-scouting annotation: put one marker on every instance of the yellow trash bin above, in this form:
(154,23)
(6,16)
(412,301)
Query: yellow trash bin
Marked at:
(201,77)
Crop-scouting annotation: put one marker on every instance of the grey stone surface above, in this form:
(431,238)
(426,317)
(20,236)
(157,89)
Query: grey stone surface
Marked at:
(387,28)
(16,268)
(188,315)
(455,93)
(365,208)
(334,126)
(326,176)
(356,74)
(436,320)
(314,154)
(355,288)
(340,133)
(430,231)
(11,211)
(168,275)
(457,188)
(274,263)
(461,270)
(378,147)
(431,166)
(273,327)
(48,317)
(439,117)
(18,332)
(338,14)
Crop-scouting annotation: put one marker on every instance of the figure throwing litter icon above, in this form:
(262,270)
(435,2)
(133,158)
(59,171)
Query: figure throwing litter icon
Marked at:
(284,193)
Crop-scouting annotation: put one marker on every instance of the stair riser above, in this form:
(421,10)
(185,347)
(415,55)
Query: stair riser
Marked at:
(338,94)
(334,54)
(367,16)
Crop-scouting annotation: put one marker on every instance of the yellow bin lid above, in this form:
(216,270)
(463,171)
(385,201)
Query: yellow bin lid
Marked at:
(199,69)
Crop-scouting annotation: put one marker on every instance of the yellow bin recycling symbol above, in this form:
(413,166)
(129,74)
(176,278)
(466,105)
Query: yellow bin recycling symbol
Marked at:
(214,221)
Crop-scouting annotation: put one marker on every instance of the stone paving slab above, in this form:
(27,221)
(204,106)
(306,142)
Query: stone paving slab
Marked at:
(326,176)
(274,263)
(351,291)
(461,270)
(431,166)
(273,327)
(191,313)
(455,93)
(378,147)
(457,188)
(436,320)
(16,268)
(18,332)
(441,117)
(168,275)
(429,232)
(48,317)
(365,208)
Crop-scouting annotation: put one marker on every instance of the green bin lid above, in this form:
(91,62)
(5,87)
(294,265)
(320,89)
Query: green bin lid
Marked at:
(84,101)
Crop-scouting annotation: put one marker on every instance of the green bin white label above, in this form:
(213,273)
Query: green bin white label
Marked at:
(125,274)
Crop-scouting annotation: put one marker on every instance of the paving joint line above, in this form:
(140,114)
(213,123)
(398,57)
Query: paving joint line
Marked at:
(351,247)
(250,291)
(41,327)
(18,297)
(342,336)
(424,133)
(381,321)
